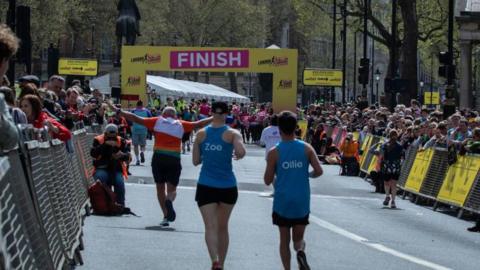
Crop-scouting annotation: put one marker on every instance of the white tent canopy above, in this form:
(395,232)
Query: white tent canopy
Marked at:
(101,83)
(187,89)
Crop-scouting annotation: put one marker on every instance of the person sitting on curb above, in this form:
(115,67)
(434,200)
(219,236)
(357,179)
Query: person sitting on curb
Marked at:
(111,154)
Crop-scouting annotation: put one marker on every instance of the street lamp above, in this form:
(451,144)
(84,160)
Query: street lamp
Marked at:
(377,79)
(421,89)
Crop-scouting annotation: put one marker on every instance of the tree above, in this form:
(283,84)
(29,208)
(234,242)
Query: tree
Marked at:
(419,20)
(217,23)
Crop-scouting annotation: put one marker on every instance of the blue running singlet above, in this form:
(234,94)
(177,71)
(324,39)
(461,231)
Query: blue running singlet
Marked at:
(292,187)
(216,157)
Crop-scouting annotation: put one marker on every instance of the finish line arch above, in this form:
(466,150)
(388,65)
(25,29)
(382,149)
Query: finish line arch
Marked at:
(282,63)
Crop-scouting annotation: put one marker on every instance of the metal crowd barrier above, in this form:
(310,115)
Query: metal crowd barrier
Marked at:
(46,201)
(407,165)
(17,250)
(368,156)
(472,202)
(436,174)
(427,174)
(43,200)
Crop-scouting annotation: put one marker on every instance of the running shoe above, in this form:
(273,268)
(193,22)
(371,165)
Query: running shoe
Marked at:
(164,223)
(170,211)
(386,201)
(142,157)
(138,163)
(302,260)
(474,229)
(392,205)
(216,266)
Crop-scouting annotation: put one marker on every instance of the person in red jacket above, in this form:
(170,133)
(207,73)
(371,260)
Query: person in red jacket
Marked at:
(31,105)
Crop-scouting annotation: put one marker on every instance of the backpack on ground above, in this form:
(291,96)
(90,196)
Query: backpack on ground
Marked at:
(103,201)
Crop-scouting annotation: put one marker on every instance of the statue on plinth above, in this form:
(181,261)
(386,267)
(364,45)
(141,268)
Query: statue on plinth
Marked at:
(128,25)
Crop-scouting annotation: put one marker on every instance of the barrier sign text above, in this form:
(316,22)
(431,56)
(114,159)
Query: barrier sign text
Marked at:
(81,67)
(459,180)
(322,77)
(419,170)
(431,98)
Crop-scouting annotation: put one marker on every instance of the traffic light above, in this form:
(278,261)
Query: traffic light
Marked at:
(363,71)
(446,68)
(450,92)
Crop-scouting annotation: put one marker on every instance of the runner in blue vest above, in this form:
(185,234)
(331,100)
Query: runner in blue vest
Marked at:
(217,186)
(139,133)
(289,161)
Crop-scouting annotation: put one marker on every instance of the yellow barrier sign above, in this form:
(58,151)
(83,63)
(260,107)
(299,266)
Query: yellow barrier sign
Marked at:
(356,135)
(81,67)
(322,77)
(431,98)
(419,170)
(302,124)
(459,180)
(373,163)
(365,147)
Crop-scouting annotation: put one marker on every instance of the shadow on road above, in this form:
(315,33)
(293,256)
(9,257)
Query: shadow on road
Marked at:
(153,228)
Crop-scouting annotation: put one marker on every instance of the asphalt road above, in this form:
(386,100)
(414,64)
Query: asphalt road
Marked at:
(349,228)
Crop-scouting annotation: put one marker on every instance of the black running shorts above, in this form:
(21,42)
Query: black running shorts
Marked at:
(206,195)
(390,176)
(166,169)
(288,222)
(186,137)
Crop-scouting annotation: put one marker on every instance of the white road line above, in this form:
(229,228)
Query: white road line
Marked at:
(344,197)
(333,228)
(357,238)
(319,196)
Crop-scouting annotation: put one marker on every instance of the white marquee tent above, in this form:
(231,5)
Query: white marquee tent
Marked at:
(166,87)
(101,83)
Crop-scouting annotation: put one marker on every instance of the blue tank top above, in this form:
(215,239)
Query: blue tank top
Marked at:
(140,129)
(292,187)
(216,157)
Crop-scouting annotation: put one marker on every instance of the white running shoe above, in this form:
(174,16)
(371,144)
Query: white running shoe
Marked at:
(164,223)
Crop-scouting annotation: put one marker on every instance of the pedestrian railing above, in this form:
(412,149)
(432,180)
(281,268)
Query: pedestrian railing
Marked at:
(43,201)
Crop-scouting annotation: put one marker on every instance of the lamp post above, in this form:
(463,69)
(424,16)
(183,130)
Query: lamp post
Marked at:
(423,92)
(377,79)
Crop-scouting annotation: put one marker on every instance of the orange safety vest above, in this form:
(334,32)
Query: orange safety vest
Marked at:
(350,150)
(101,140)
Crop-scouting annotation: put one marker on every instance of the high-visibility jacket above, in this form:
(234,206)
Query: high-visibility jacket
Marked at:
(350,149)
(101,140)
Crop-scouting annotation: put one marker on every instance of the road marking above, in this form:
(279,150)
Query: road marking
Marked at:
(357,238)
(263,193)
(344,197)
(335,229)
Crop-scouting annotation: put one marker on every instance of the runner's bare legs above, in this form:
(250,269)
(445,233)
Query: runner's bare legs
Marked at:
(285,247)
